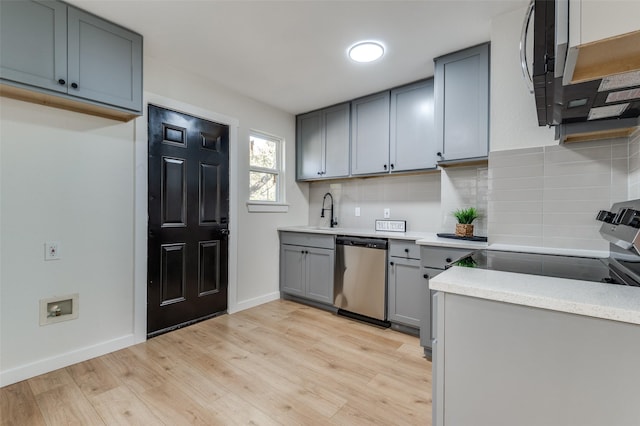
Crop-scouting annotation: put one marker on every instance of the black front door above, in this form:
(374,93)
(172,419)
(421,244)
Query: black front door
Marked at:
(187,268)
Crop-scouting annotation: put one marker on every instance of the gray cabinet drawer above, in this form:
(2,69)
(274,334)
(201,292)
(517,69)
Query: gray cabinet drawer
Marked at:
(405,249)
(438,257)
(308,240)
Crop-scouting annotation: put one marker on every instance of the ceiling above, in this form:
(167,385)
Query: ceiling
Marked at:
(292,54)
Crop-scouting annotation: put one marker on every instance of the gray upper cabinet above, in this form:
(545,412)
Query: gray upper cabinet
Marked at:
(412,139)
(462,104)
(33,43)
(89,64)
(105,61)
(323,143)
(370,134)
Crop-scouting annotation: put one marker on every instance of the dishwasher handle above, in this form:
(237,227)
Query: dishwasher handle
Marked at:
(374,243)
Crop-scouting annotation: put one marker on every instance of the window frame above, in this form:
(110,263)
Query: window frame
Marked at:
(279,205)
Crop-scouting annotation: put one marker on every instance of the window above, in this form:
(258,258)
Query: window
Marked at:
(265,168)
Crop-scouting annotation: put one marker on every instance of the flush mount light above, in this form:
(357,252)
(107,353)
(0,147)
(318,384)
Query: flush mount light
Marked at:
(366,51)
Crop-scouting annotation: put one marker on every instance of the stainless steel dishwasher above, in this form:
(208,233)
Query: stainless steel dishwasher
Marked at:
(360,282)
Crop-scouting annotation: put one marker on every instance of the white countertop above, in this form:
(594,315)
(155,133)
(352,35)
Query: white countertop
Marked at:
(422,238)
(608,301)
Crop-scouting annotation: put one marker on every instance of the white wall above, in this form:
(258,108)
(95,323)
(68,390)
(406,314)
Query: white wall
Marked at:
(71,178)
(66,177)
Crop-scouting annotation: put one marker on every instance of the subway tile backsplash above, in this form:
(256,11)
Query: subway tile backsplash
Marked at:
(548,196)
(544,196)
(414,198)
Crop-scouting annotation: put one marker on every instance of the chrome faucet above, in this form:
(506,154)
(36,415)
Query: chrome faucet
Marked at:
(333,222)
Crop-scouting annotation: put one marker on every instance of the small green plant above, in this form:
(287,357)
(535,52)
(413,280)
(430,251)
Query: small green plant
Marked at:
(466,262)
(466,216)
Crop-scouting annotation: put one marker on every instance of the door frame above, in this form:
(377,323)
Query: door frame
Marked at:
(141,155)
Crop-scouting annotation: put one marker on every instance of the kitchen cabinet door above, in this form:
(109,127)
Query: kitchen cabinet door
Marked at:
(370,134)
(412,128)
(33,43)
(292,270)
(462,104)
(322,143)
(309,141)
(405,288)
(105,61)
(319,274)
(336,141)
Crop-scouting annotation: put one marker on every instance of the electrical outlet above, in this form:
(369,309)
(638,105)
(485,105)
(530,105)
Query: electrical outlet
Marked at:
(357,211)
(387,213)
(51,250)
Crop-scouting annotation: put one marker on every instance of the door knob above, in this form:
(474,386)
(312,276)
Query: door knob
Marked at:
(62,82)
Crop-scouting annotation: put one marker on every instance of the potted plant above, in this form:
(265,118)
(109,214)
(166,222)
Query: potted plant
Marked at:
(465,217)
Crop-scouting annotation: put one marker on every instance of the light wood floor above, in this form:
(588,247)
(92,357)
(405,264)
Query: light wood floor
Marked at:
(278,363)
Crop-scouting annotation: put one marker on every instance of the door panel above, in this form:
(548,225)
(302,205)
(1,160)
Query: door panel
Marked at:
(209,268)
(209,194)
(188,219)
(174,192)
(173,274)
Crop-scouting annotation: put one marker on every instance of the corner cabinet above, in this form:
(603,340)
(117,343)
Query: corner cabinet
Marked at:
(306,266)
(75,60)
(322,143)
(370,134)
(462,104)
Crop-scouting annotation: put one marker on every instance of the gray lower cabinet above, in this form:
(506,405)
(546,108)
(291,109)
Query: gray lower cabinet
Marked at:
(540,367)
(322,143)
(404,305)
(52,48)
(462,104)
(412,138)
(306,266)
(433,260)
(370,134)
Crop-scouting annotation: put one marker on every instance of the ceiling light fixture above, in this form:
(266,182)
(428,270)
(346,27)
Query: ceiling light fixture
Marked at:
(366,51)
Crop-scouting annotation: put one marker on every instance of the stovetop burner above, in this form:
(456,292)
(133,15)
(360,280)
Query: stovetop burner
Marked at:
(558,266)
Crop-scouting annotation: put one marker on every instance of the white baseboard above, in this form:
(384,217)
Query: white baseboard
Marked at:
(250,303)
(46,365)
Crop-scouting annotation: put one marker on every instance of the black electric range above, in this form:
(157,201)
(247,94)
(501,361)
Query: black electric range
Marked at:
(621,228)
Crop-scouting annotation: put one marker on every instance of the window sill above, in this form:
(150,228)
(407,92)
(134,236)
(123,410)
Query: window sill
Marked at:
(266,207)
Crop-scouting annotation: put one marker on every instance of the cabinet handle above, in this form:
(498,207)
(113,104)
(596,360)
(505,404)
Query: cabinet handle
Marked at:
(319,173)
(406,250)
(385,167)
(448,260)
(74,85)
(62,82)
(392,166)
(391,263)
(524,64)
(425,276)
(439,154)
